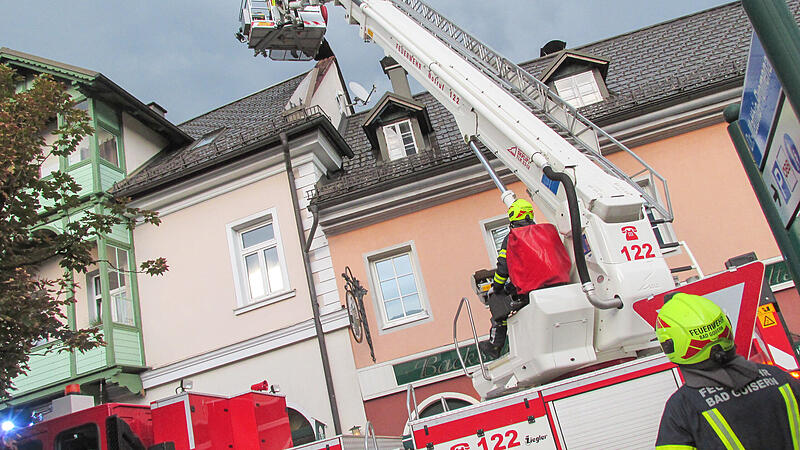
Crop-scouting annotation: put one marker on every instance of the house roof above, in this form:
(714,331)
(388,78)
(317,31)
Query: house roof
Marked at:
(648,69)
(97,85)
(241,127)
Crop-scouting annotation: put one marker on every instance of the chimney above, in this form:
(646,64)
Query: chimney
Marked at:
(397,75)
(157,108)
(552,47)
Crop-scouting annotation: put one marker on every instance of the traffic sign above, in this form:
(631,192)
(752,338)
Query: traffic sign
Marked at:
(774,338)
(736,291)
(766,316)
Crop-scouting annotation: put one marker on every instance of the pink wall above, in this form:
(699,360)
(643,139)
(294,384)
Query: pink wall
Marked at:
(450,247)
(716,212)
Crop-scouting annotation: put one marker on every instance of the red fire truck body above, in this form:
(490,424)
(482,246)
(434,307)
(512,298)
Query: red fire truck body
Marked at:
(249,421)
(615,407)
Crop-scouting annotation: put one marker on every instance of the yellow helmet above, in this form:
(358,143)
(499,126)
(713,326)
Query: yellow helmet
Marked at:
(689,326)
(520,210)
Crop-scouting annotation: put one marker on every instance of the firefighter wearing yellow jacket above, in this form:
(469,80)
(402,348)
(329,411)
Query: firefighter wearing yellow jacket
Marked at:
(520,214)
(726,402)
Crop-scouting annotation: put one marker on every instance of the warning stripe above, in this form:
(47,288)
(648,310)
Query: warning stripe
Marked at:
(489,420)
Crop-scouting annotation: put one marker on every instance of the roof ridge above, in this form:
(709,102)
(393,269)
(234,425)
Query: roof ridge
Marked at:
(638,30)
(10,52)
(279,83)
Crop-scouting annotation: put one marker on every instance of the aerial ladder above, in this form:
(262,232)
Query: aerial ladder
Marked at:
(605,216)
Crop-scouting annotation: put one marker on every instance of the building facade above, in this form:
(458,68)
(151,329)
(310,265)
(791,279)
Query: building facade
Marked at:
(413,214)
(250,294)
(127,133)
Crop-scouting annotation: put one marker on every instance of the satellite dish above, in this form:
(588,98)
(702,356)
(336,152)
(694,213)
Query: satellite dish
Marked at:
(359,91)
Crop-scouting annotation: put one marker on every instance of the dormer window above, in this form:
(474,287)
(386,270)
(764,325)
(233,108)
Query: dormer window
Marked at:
(578,78)
(398,127)
(400,140)
(579,90)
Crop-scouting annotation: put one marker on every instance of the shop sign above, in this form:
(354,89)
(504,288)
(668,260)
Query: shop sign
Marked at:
(777,274)
(436,364)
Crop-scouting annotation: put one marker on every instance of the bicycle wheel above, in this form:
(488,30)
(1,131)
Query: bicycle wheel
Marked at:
(354,315)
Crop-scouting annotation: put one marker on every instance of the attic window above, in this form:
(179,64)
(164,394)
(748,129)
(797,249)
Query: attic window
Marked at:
(579,90)
(205,140)
(400,140)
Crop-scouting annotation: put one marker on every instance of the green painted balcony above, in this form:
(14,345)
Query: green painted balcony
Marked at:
(122,355)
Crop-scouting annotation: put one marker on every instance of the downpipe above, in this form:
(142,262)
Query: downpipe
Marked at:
(323,349)
(577,243)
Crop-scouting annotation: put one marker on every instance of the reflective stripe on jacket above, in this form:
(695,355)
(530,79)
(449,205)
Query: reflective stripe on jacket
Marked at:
(762,415)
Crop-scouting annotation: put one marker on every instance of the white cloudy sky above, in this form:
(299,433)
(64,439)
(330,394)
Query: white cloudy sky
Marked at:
(184,56)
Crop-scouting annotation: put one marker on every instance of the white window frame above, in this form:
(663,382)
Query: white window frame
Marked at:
(487,225)
(569,89)
(401,152)
(92,295)
(370,260)
(443,396)
(241,287)
(123,290)
(437,398)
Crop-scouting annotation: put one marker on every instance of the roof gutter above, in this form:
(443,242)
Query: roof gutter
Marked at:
(650,122)
(273,139)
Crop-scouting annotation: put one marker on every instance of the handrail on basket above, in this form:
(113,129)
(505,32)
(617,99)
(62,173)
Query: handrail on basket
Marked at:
(463,302)
(411,395)
(369,428)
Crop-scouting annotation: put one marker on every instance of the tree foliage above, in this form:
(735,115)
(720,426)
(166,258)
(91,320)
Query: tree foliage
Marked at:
(32,307)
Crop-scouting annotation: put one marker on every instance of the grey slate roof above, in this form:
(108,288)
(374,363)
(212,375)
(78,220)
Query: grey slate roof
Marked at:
(240,124)
(648,69)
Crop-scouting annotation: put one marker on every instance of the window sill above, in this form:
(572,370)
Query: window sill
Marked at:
(406,321)
(274,298)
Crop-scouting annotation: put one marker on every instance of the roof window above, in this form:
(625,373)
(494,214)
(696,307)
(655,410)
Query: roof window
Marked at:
(579,90)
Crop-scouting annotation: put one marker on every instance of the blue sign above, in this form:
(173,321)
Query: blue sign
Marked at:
(760,99)
(550,184)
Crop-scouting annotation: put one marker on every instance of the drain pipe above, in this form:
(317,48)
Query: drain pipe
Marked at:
(323,349)
(577,243)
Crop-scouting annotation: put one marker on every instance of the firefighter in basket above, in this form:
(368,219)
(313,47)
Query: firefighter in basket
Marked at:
(726,402)
(532,256)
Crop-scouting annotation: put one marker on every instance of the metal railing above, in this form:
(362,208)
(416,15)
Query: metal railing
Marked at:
(305,113)
(540,99)
(463,302)
(411,396)
(370,431)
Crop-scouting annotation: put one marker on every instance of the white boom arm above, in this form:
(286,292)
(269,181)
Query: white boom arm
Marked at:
(623,255)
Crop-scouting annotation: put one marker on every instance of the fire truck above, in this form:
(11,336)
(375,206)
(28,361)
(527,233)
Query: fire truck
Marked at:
(583,368)
(254,420)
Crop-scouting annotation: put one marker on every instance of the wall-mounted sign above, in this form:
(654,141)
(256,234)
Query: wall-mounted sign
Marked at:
(777,274)
(436,364)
